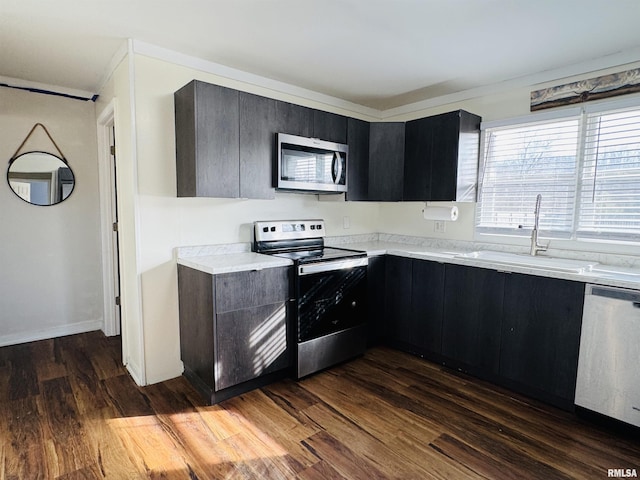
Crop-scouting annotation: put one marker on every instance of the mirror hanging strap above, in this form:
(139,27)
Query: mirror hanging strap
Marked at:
(62,157)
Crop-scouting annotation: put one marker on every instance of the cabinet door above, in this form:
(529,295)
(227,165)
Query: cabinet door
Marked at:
(398,303)
(358,160)
(258,126)
(441,155)
(207,141)
(472,318)
(294,119)
(376,300)
(329,126)
(250,343)
(418,160)
(386,160)
(445,137)
(427,300)
(541,335)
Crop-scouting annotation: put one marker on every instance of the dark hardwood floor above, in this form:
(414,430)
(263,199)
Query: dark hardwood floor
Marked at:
(69,410)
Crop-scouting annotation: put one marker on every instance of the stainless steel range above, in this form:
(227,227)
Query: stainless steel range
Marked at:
(330,292)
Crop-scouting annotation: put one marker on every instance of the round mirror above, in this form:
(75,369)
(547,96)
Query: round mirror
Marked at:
(40,178)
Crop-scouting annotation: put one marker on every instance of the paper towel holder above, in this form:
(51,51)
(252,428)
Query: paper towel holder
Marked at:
(447,213)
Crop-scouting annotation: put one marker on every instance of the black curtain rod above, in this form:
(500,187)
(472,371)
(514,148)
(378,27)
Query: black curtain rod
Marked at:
(49,92)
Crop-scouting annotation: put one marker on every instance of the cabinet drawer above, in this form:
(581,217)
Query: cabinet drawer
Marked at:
(239,290)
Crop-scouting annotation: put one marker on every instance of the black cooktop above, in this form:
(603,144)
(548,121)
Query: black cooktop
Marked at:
(320,254)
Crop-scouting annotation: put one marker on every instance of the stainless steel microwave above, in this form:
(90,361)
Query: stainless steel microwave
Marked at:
(310,165)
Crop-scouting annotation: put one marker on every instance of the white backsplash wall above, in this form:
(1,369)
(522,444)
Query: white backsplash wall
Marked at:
(405,218)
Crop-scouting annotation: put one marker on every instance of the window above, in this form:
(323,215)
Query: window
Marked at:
(585,165)
(609,203)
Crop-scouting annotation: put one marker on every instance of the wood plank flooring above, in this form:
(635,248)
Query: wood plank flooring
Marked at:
(69,410)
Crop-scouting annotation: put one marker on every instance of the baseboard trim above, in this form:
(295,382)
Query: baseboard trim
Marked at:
(53,332)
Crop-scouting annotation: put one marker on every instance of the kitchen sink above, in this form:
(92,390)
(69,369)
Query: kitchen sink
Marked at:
(544,263)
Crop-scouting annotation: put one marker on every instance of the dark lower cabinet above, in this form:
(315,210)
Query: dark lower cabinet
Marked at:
(400,327)
(250,343)
(234,329)
(427,305)
(541,336)
(472,319)
(414,297)
(376,300)
(519,331)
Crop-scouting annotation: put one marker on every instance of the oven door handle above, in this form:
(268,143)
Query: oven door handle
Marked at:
(332,266)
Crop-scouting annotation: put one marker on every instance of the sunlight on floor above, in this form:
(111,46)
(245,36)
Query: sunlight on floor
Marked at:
(213,435)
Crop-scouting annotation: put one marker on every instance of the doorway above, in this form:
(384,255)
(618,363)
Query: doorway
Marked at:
(109,221)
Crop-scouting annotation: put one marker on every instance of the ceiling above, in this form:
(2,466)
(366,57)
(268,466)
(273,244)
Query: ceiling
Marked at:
(375,53)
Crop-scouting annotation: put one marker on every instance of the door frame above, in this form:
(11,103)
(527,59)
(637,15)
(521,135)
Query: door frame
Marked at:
(106,122)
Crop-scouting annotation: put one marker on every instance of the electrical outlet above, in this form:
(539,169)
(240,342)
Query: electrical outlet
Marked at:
(346,222)
(439,226)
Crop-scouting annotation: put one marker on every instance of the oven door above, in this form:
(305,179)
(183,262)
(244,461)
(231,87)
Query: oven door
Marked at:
(331,297)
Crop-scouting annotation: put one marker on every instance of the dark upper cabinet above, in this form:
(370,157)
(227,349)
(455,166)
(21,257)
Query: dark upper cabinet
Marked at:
(309,122)
(472,319)
(358,160)
(541,336)
(294,119)
(225,139)
(386,159)
(441,157)
(207,141)
(329,126)
(258,121)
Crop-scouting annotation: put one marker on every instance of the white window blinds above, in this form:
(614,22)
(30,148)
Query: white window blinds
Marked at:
(521,162)
(609,203)
(586,166)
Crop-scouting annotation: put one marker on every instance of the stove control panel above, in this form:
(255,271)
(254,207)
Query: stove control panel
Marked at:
(288,230)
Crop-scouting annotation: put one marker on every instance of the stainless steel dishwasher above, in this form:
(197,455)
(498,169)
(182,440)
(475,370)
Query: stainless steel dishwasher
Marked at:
(608,376)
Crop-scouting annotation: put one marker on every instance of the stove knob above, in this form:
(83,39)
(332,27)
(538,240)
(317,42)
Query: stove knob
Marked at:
(354,304)
(265,229)
(319,227)
(273,229)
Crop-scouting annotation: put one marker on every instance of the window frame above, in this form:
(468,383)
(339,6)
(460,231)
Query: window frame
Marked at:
(518,236)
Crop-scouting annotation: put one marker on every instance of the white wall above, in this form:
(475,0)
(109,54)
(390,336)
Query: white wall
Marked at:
(50,264)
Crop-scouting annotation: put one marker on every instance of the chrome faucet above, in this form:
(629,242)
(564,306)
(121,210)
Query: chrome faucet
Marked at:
(535,246)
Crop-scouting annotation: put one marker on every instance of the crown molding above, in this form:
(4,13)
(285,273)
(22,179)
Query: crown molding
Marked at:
(195,63)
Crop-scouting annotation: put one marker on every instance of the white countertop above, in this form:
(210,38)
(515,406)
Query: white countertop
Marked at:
(614,276)
(233,262)
(234,258)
